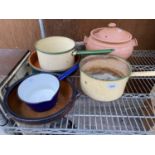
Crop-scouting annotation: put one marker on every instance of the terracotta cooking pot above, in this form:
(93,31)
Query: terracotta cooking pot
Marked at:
(111,37)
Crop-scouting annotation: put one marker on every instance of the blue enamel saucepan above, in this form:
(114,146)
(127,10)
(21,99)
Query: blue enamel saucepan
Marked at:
(40,91)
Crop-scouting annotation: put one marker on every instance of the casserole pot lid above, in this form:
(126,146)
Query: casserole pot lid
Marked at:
(111,34)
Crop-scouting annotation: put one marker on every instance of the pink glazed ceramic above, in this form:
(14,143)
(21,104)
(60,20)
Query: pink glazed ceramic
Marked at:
(111,37)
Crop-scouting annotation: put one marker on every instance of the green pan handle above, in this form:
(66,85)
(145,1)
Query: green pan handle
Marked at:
(93,52)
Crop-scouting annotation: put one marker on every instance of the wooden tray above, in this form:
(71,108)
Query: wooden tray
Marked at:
(19,111)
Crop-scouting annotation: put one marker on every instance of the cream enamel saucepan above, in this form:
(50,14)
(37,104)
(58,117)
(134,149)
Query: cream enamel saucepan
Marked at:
(104,77)
(57,53)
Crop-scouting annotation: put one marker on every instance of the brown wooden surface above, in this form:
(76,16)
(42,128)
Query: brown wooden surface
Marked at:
(18,33)
(23,110)
(9,58)
(24,33)
(143,30)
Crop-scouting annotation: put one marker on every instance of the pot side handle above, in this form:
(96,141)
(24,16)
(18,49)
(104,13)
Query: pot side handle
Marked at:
(85,39)
(135,42)
(144,73)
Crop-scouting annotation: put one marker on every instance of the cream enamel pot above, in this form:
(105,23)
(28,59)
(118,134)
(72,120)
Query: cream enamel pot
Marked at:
(57,53)
(106,88)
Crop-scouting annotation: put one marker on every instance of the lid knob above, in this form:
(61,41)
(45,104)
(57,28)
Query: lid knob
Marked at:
(111,25)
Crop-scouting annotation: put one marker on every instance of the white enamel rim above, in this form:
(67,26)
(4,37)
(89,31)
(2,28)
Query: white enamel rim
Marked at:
(31,82)
(37,44)
(106,56)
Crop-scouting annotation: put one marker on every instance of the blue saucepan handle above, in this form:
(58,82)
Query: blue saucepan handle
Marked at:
(68,72)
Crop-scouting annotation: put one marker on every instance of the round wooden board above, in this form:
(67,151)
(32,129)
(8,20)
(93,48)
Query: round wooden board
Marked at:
(19,111)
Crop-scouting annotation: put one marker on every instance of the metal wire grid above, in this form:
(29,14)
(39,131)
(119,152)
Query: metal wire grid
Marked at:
(124,116)
(143,53)
(131,114)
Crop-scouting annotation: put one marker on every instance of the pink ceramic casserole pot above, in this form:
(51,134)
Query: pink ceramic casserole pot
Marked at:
(111,37)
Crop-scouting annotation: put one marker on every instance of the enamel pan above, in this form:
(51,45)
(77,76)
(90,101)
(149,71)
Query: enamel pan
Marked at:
(57,53)
(40,91)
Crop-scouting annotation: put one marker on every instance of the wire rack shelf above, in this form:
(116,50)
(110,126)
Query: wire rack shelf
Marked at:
(133,113)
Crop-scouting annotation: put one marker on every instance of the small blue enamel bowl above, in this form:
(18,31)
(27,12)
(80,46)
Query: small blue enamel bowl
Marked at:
(40,91)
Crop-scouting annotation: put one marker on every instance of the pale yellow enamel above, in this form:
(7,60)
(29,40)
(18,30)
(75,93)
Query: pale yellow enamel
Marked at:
(100,90)
(55,53)
(57,62)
